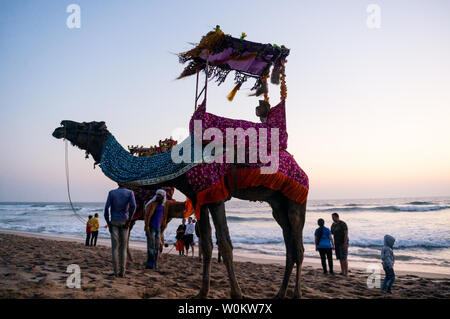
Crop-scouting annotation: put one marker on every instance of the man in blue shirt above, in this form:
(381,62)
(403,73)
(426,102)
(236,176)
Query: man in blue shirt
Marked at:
(153,215)
(122,204)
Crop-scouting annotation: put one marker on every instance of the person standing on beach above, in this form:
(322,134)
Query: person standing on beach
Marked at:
(189,236)
(179,245)
(197,233)
(154,211)
(324,245)
(122,204)
(387,260)
(340,232)
(95,225)
(88,230)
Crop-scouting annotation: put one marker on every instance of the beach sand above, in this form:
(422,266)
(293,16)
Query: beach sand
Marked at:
(33,266)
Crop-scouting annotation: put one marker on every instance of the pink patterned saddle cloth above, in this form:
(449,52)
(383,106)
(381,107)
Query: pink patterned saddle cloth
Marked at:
(205,175)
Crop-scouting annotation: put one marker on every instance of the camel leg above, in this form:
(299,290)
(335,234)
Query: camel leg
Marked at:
(130,257)
(296,215)
(225,246)
(206,242)
(281,218)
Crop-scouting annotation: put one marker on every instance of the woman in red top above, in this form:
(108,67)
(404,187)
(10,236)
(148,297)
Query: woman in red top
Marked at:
(88,230)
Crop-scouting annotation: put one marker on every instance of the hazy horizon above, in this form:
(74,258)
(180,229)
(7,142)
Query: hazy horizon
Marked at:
(367,109)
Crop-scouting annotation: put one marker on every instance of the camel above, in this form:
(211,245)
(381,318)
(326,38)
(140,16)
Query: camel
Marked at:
(289,214)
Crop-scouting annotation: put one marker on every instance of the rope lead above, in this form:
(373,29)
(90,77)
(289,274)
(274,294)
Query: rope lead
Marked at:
(80,219)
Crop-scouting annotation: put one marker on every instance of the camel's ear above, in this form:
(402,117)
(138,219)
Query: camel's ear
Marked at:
(101,125)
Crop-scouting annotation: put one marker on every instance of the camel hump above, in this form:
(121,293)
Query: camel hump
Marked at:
(275,119)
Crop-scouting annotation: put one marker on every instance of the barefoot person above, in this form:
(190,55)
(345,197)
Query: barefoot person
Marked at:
(154,211)
(94,230)
(193,241)
(189,236)
(340,233)
(179,237)
(197,233)
(324,245)
(122,204)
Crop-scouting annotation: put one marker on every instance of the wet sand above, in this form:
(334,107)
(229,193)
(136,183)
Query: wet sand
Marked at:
(35,267)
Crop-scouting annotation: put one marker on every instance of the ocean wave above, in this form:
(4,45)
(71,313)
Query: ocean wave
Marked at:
(420,203)
(357,244)
(47,208)
(378,244)
(250,219)
(395,208)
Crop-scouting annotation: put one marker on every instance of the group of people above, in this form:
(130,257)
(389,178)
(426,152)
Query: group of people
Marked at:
(185,237)
(325,243)
(92,227)
(121,205)
(119,210)
(336,239)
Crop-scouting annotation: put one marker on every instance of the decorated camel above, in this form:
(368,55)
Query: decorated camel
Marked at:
(208,184)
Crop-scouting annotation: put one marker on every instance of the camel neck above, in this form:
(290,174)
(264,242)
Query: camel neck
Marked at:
(122,167)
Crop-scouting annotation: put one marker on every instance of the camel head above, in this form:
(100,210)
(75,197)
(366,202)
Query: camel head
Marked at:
(88,136)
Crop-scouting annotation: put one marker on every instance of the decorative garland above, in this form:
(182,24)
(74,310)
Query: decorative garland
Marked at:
(163,146)
(266,91)
(283,87)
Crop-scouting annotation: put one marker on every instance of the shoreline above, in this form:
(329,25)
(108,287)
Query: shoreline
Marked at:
(308,261)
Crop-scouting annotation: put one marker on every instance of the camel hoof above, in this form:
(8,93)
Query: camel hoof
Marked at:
(237,296)
(199,296)
(280,295)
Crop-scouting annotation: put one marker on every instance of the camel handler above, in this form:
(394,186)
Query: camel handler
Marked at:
(154,213)
(122,203)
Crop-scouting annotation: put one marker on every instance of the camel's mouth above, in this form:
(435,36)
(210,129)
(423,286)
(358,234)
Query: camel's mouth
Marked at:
(64,129)
(59,132)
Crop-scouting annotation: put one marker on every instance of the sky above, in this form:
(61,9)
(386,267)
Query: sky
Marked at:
(368,109)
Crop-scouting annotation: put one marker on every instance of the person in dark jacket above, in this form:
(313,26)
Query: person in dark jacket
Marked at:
(179,245)
(387,260)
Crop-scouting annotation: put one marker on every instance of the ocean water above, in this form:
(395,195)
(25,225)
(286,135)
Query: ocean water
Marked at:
(421,227)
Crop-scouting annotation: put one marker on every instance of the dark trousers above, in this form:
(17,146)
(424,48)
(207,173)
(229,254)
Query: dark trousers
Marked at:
(326,253)
(153,242)
(188,240)
(388,279)
(94,236)
(88,238)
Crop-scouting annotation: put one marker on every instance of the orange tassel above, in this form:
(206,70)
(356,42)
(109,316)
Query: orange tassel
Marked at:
(233,92)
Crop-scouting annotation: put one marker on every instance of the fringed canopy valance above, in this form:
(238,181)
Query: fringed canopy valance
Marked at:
(220,54)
